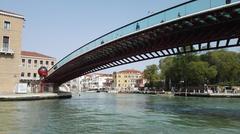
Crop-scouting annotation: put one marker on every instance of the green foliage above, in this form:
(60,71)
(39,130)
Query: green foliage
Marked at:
(200,72)
(152,75)
(218,67)
(227,65)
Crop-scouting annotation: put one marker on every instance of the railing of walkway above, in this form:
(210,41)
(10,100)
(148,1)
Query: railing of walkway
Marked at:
(187,8)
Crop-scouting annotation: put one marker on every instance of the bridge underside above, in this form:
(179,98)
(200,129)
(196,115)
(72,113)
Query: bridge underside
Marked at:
(206,31)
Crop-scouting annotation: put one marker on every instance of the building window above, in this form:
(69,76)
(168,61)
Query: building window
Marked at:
(46,62)
(22,74)
(29,63)
(41,62)
(7,25)
(52,63)
(34,75)
(23,62)
(29,74)
(5,43)
(35,63)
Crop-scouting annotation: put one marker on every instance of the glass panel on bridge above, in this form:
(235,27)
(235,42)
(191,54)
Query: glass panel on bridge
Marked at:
(175,50)
(204,46)
(165,52)
(156,19)
(196,47)
(213,44)
(222,43)
(197,6)
(233,42)
(154,54)
(127,61)
(215,3)
(139,57)
(130,59)
(188,48)
(181,49)
(134,58)
(149,55)
(170,51)
(144,56)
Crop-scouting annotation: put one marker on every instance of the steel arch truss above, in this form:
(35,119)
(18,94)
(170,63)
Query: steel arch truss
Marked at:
(205,31)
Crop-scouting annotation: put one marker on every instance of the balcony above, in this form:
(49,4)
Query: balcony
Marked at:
(6,51)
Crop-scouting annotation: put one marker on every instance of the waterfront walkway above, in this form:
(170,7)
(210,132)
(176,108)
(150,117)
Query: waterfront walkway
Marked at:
(232,95)
(35,96)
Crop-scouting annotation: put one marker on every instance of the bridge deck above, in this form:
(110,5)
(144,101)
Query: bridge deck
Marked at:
(192,26)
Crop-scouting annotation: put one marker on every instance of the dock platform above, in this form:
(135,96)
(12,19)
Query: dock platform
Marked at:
(230,95)
(35,96)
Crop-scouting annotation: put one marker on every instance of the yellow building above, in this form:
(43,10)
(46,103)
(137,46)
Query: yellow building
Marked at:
(127,80)
(31,62)
(11,26)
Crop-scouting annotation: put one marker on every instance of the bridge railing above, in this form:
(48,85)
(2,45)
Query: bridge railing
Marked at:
(170,14)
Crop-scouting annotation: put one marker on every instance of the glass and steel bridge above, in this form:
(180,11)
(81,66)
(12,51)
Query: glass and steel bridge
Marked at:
(154,21)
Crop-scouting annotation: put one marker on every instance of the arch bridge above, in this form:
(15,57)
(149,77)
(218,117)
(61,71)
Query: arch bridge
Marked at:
(192,26)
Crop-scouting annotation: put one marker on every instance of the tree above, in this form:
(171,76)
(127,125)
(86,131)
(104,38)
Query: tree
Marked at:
(200,72)
(164,65)
(175,69)
(227,65)
(216,67)
(152,75)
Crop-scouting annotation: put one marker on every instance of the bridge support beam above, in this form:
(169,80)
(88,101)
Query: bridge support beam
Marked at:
(49,87)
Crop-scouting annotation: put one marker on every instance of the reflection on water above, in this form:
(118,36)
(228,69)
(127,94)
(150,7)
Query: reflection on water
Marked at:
(121,113)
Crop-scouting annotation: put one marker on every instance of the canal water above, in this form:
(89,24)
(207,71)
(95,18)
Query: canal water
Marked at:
(102,113)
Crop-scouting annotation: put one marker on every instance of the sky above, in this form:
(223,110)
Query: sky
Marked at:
(58,27)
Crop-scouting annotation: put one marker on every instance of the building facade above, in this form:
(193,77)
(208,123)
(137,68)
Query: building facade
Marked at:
(128,80)
(94,81)
(30,63)
(11,26)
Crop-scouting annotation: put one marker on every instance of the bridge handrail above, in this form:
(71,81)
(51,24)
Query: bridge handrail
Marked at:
(187,8)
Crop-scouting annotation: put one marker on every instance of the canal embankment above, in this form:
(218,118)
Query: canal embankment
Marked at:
(34,96)
(218,95)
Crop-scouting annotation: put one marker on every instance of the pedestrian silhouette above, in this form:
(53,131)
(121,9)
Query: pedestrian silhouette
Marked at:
(228,1)
(137,27)
(179,15)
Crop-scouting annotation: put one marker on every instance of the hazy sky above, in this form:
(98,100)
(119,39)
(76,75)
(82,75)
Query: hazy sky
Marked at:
(57,27)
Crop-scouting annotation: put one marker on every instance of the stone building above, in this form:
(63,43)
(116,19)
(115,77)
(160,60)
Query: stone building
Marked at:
(30,63)
(94,81)
(11,26)
(128,80)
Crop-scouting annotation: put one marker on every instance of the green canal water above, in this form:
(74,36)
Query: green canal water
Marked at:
(101,113)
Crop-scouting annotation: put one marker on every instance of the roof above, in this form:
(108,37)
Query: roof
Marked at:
(100,74)
(11,14)
(34,54)
(130,71)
